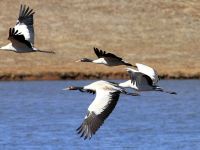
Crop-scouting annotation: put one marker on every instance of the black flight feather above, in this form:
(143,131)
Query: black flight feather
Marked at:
(101,53)
(15,35)
(26,15)
(149,80)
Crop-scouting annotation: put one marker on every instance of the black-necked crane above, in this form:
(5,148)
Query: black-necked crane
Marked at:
(105,58)
(144,78)
(107,95)
(22,35)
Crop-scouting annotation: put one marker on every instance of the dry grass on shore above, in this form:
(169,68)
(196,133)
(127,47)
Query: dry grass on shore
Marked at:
(162,34)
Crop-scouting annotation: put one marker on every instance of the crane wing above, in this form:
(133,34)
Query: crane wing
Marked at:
(101,53)
(139,78)
(103,104)
(143,80)
(148,71)
(25,23)
(17,38)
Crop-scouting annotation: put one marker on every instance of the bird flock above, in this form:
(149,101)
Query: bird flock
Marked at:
(142,77)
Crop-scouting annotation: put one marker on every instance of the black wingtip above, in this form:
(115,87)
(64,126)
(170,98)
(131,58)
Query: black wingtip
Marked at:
(78,128)
(84,131)
(12,32)
(95,49)
(26,15)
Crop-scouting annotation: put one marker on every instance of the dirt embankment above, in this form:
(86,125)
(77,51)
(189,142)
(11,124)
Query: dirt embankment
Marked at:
(161,34)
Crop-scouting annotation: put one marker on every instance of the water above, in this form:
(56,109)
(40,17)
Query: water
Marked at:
(38,115)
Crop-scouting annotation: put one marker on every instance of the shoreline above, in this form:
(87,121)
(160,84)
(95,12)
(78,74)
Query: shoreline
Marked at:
(83,76)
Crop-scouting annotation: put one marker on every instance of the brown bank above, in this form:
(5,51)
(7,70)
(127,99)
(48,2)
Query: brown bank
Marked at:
(162,34)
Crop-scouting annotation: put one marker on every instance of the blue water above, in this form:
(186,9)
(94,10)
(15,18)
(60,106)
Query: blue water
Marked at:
(38,115)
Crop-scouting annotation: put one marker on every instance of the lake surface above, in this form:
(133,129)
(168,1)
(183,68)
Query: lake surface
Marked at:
(39,115)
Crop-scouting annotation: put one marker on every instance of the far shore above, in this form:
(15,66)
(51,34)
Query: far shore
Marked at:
(82,76)
(164,35)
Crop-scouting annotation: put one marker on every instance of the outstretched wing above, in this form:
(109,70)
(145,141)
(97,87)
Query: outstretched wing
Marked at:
(25,23)
(110,58)
(100,53)
(17,38)
(148,71)
(139,78)
(131,75)
(98,111)
(25,15)
(143,80)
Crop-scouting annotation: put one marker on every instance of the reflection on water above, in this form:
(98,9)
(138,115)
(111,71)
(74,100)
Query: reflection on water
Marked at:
(39,115)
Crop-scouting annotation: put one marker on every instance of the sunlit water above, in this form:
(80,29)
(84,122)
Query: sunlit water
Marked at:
(39,115)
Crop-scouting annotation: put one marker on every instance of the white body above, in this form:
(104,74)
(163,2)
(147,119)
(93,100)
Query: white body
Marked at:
(100,61)
(20,48)
(127,84)
(103,90)
(109,61)
(27,31)
(148,71)
(139,81)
